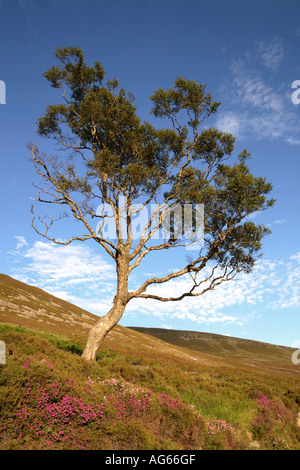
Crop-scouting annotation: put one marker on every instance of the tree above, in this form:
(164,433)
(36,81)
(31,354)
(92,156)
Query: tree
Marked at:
(112,156)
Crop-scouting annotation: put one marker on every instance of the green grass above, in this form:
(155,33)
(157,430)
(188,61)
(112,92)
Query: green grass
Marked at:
(135,397)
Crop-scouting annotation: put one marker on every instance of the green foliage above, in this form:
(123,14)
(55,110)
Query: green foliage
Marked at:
(75,347)
(118,154)
(101,119)
(112,156)
(186,96)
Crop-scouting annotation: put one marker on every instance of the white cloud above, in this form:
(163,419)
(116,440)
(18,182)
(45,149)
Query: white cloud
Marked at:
(73,272)
(271,53)
(229,122)
(252,90)
(56,263)
(256,107)
(280,221)
(21,242)
(78,275)
(273,284)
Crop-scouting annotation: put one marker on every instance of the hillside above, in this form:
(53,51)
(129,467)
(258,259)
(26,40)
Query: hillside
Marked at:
(269,357)
(29,306)
(143,392)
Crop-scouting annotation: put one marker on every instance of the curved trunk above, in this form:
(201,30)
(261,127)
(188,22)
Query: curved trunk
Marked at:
(99,331)
(103,326)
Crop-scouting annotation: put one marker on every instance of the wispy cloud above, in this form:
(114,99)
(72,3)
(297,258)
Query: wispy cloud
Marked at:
(21,242)
(280,221)
(273,285)
(271,53)
(254,106)
(75,273)
(251,89)
(70,263)
(230,122)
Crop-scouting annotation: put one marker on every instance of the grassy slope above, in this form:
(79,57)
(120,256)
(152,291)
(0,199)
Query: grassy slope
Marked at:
(29,306)
(142,393)
(266,357)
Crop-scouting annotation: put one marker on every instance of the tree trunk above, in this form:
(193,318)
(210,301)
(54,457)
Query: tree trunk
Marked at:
(99,331)
(103,326)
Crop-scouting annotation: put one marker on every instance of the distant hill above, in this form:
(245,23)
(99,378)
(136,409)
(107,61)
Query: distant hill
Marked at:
(29,306)
(253,353)
(149,388)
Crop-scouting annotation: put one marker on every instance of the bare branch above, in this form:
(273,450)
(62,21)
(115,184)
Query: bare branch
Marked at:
(63,197)
(48,227)
(226,276)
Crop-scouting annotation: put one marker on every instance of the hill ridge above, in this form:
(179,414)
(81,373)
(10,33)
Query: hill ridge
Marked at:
(33,307)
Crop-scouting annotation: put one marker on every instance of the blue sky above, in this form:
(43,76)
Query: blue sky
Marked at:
(247,53)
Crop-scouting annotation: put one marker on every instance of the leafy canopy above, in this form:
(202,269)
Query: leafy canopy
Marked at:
(112,153)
